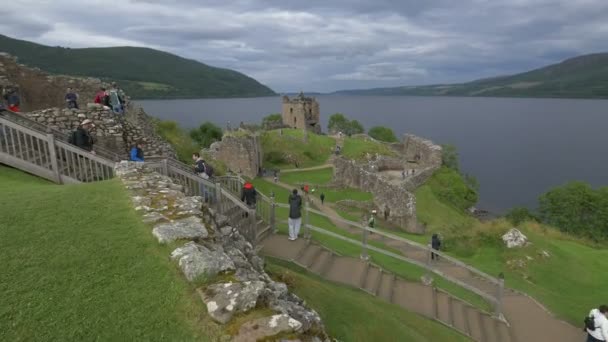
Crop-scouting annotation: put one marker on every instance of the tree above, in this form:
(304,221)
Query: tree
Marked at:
(338,123)
(518,215)
(206,134)
(355,127)
(382,133)
(272,121)
(449,157)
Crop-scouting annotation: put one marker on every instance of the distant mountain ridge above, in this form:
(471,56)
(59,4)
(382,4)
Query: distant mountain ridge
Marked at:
(142,72)
(579,77)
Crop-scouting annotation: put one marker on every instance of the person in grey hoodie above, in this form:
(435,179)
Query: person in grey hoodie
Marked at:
(295,215)
(600,323)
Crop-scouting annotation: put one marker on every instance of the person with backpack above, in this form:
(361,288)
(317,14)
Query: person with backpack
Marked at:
(137,152)
(249,195)
(596,324)
(372,219)
(295,215)
(82,138)
(200,168)
(71,99)
(435,244)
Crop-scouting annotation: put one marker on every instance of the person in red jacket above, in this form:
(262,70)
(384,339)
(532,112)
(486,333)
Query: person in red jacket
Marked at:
(99,97)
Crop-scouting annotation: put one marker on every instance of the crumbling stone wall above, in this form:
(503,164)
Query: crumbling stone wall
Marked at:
(400,201)
(301,112)
(39,90)
(241,151)
(112,131)
(422,151)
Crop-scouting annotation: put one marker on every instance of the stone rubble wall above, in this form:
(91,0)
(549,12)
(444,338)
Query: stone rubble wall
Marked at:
(112,131)
(430,154)
(233,274)
(240,151)
(400,201)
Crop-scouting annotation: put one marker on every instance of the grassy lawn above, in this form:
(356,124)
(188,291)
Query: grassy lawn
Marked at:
(351,315)
(313,153)
(438,216)
(78,265)
(320,178)
(358,147)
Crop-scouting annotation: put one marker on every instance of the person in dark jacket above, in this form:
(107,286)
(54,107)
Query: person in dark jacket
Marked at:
(71,99)
(436,245)
(295,215)
(249,195)
(137,152)
(83,138)
(12,100)
(322,198)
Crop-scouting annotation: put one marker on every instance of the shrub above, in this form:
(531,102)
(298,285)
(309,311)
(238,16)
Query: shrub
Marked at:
(178,138)
(206,134)
(519,215)
(450,186)
(449,157)
(272,121)
(383,134)
(339,123)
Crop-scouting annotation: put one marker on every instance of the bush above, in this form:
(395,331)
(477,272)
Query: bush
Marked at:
(449,157)
(178,138)
(272,121)
(383,134)
(450,186)
(206,134)
(339,123)
(519,215)
(275,158)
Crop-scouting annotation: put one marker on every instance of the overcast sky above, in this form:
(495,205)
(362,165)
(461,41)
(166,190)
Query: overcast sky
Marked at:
(333,44)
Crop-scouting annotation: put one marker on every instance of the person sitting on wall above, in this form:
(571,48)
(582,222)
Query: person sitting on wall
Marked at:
(137,152)
(12,100)
(99,96)
(71,99)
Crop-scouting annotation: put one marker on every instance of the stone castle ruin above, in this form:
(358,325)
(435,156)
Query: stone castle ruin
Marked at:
(392,180)
(302,113)
(241,151)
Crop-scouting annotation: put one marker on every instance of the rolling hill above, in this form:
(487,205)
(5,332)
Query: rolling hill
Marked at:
(579,77)
(142,72)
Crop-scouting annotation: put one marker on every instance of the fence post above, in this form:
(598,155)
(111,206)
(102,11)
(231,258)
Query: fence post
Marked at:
(165,167)
(427,279)
(501,289)
(307,218)
(218,197)
(252,227)
(50,138)
(273,225)
(364,254)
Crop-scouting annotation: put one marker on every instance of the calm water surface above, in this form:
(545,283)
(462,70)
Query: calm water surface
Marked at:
(517,148)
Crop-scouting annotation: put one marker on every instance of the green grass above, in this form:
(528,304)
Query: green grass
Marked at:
(79,265)
(359,147)
(322,177)
(282,151)
(436,215)
(351,315)
(155,86)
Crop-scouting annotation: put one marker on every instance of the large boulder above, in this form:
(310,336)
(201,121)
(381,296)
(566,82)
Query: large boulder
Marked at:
(190,228)
(514,238)
(223,300)
(267,327)
(199,261)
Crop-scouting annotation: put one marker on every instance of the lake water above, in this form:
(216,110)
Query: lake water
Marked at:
(516,148)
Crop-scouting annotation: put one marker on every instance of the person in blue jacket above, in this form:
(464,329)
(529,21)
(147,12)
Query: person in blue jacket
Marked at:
(137,153)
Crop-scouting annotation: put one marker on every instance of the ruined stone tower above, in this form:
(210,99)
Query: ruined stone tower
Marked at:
(301,112)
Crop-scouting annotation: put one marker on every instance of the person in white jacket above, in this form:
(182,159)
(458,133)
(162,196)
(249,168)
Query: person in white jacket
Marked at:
(600,333)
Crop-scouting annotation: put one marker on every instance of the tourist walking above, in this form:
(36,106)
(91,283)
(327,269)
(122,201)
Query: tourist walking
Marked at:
(372,219)
(82,136)
(322,198)
(137,152)
(200,168)
(436,245)
(276,176)
(295,215)
(249,195)
(387,212)
(596,324)
(71,99)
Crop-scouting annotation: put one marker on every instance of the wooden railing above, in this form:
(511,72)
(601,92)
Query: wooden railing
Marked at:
(426,262)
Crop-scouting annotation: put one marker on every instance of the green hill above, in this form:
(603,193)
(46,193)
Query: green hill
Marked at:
(143,72)
(579,77)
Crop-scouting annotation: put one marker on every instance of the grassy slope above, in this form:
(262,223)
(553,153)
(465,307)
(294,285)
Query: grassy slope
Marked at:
(584,76)
(358,147)
(352,315)
(172,76)
(78,264)
(290,147)
(321,177)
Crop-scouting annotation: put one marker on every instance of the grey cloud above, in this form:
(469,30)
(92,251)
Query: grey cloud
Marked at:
(325,45)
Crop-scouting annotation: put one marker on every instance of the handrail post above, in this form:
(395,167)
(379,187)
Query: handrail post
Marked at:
(50,139)
(165,167)
(427,278)
(218,197)
(273,226)
(307,218)
(501,289)
(364,254)
(252,227)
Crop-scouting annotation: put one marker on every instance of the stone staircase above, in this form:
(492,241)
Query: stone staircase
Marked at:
(412,296)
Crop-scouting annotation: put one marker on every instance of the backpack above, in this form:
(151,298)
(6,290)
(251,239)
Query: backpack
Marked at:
(209,170)
(590,323)
(72,138)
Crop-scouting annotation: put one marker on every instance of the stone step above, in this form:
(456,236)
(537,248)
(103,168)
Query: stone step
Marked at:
(371,280)
(489,327)
(322,262)
(344,271)
(460,318)
(378,282)
(363,277)
(414,296)
(474,320)
(444,308)
(503,332)
(310,255)
(386,287)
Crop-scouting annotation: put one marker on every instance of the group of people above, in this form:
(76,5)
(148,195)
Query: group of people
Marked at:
(114,98)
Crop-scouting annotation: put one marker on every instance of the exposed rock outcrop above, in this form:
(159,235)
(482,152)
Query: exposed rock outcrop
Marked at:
(514,238)
(232,271)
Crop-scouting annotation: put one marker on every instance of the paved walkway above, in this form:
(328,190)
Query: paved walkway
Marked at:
(529,321)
